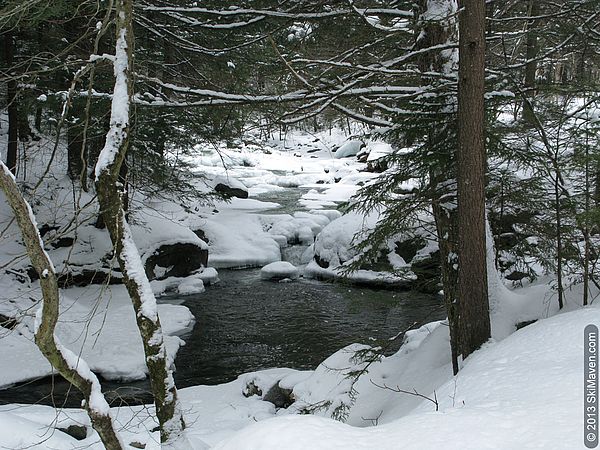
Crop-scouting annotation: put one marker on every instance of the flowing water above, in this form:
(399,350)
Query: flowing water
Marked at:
(244,324)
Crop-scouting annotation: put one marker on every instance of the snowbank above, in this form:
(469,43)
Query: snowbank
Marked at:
(523,392)
(99,322)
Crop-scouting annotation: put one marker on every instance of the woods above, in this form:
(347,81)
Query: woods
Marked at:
(147,144)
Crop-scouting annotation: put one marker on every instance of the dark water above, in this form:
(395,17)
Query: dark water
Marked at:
(244,323)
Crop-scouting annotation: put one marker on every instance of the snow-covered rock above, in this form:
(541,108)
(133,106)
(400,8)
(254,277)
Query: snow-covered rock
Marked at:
(335,244)
(230,187)
(237,240)
(278,271)
(190,285)
(350,148)
(330,391)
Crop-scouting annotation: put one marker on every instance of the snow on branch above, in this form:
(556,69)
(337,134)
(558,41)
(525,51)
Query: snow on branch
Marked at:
(119,115)
(279,14)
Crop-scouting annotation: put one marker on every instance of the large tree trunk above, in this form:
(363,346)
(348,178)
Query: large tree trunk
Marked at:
(68,364)
(473,304)
(435,30)
(108,169)
(13,121)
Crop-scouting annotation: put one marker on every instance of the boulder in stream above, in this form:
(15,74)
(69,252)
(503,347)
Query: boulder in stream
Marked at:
(230,187)
(176,260)
(279,270)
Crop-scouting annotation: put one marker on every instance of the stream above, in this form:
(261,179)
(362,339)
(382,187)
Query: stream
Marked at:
(245,324)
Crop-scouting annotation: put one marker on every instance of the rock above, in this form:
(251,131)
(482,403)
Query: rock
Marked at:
(377,165)
(44,229)
(525,323)
(78,432)
(408,249)
(517,276)
(209,276)
(85,277)
(229,191)
(350,148)
(176,260)
(323,263)
(428,272)
(190,285)
(280,397)
(230,187)
(363,155)
(63,242)
(251,389)
(202,235)
(506,241)
(279,270)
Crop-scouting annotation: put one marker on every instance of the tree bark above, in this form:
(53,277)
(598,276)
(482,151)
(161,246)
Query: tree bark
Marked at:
(75,144)
(434,30)
(108,170)
(447,232)
(13,113)
(473,303)
(69,365)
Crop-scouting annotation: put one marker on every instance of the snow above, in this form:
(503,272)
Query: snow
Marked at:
(110,343)
(237,240)
(191,286)
(335,243)
(329,391)
(350,148)
(119,116)
(522,392)
(279,270)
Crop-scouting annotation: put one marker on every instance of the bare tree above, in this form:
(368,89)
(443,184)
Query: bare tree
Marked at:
(110,197)
(68,364)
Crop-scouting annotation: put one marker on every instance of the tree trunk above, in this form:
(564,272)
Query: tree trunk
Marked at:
(68,364)
(75,145)
(108,170)
(530,54)
(559,242)
(473,303)
(13,122)
(447,233)
(436,30)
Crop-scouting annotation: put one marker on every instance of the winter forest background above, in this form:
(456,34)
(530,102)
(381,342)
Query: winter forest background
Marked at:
(297,224)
